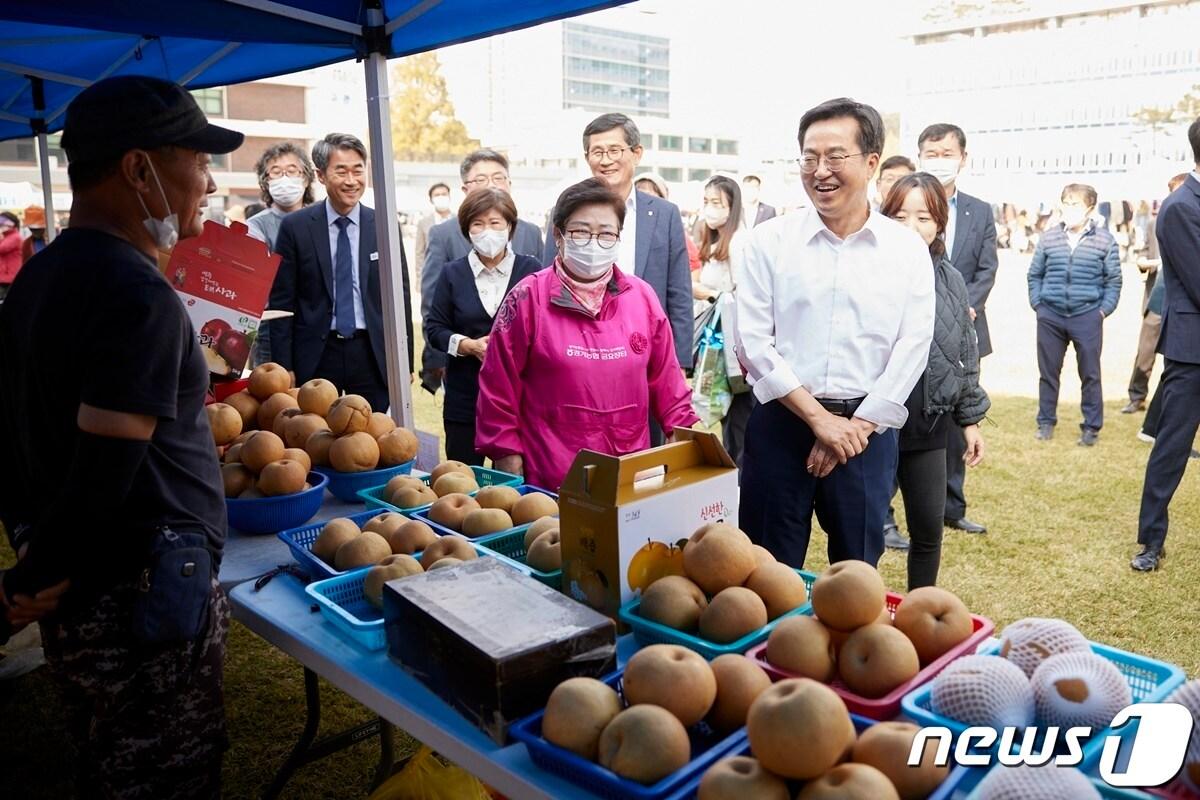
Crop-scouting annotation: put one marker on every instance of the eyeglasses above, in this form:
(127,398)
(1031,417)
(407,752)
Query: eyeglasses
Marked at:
(284,172)
(614,153)
(836,162)
(499,180)
(606,240)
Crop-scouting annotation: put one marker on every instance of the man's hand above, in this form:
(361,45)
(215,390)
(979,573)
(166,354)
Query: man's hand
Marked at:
(513,465)
(974,450)
(474,347)
(844,438)
(971,312)
(821,461)
(24,609)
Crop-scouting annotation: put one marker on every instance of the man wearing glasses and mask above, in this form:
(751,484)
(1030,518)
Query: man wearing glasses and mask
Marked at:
(835,319)
(479,170)
(652,245)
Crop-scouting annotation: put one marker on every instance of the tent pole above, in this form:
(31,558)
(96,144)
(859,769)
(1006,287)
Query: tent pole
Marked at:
(387,232)
(38,89)
(47,187)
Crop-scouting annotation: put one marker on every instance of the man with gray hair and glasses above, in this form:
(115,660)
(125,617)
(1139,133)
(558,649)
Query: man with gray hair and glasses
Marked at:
(479,170)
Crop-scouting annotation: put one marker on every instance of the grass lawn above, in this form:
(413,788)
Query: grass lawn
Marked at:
(1062,520)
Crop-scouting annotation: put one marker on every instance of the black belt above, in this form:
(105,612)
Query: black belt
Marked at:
(841,408)
(357,334)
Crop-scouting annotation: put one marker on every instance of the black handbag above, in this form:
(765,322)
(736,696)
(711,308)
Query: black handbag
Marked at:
(174,589)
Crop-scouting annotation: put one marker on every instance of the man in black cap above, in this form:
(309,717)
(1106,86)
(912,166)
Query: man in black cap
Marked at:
(110,489)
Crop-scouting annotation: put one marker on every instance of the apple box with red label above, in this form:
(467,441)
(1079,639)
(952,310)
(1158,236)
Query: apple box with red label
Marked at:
(224,278)
(622,516)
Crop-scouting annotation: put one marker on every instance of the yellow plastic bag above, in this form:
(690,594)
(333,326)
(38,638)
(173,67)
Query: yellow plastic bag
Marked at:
(427,776)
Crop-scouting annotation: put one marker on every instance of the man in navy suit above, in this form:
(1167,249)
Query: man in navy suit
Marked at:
(1178,231)
(754,211)
(329,280)
(479,170)
(971,246)
(652,242)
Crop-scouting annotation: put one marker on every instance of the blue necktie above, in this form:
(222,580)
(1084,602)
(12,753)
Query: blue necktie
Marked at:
(343,280)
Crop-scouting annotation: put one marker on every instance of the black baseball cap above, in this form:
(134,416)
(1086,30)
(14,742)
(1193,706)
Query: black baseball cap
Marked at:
(115,115)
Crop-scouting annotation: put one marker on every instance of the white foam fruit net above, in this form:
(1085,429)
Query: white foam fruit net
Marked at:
(1030,641)
(1079,689)
(1188,696)
(1035,783)
(983,690)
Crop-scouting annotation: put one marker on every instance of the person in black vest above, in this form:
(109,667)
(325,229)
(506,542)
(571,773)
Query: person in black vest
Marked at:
(469,291)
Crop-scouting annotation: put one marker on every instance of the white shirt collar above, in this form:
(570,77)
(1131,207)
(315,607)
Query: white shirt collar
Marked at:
(631,200)
(332,215)
(814,225)
(503,268)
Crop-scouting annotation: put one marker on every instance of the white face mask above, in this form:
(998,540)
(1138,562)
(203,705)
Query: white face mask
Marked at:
(944,169)
(1074,216)
(166,230)
(716,216)
(441,202)
(490,243)
(286,191)
(588,260)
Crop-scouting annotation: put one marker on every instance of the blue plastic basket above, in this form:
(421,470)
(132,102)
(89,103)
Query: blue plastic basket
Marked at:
(1150,681)
(423,515)
(963,784)
(742,748)
(509,546)
(707,748)
(300,541)
(272,514)
(345,486)
(373,496)
(648,632)
(343,604)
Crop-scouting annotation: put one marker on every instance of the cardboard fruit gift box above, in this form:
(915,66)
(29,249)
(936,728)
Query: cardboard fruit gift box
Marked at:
(622,515)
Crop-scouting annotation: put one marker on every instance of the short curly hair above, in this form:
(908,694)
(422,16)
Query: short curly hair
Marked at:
(274,152)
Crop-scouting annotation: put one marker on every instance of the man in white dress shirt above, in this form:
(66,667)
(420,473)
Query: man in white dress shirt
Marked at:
(835,320)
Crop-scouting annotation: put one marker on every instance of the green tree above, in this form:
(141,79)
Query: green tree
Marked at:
(1155,119)
(424,127)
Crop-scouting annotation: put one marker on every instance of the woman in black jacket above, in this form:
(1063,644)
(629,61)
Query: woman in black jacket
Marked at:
(948,392)
(468,293)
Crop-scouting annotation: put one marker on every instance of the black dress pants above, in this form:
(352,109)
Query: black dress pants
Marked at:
(779,496)
(922,479)
(460,443)
(350,364)
(1180,390)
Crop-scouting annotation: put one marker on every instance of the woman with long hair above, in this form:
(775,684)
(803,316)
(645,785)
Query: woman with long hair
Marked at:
(948,392)
(722,237)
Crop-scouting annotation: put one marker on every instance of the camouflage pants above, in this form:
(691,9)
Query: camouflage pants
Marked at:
(150,719)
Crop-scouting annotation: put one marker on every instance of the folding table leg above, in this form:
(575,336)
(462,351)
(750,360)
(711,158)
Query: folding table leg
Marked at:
(306,751)
(297,758)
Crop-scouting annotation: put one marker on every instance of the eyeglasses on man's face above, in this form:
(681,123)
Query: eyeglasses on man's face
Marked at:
(613,153)
(581,237)
(290,171)
(836,162)
(497,179)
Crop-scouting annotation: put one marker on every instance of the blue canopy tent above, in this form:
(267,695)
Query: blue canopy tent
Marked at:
(50,51)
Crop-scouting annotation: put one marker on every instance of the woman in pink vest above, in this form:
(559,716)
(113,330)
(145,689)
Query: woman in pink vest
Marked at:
(580,355)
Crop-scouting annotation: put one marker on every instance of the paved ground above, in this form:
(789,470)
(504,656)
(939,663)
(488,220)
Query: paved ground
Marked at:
(1012,368)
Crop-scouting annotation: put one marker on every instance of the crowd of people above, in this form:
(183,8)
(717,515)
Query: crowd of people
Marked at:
(850,341)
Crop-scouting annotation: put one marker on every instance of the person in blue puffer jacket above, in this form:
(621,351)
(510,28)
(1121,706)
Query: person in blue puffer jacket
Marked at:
(1074,283)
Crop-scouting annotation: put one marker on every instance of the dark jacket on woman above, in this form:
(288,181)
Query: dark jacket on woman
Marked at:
(457,308)
(948,392)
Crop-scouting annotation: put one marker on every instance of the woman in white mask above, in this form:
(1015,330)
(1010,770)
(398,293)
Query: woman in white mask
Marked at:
(722,238)
(581,354)
(469,292)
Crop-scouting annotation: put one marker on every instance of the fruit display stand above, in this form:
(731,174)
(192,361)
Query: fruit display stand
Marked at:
(346,485)
(280,612)
(423,515)
(373,496)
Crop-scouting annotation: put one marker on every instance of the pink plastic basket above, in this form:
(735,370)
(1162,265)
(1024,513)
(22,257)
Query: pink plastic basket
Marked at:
(888,706)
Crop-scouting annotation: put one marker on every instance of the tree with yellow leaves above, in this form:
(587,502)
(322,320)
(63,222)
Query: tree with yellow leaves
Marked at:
(424,127)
